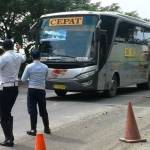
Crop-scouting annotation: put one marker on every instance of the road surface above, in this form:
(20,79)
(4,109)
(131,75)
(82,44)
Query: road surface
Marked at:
(86,122)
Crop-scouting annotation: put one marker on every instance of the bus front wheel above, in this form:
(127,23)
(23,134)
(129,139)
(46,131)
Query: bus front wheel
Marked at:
(112,91)
(60,92)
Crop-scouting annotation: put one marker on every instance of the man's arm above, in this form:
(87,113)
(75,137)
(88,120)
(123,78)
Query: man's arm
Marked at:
(2,62)
(46,73)
(25,75)
(23,57)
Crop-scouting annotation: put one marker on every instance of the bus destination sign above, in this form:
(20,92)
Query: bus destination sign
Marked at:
(68,21)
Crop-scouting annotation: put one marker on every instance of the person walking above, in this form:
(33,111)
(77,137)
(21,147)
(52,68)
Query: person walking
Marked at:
(19,49)
(36,73)
(9,68)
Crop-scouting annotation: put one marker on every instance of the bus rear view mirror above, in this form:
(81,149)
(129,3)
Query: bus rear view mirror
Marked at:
(98,30)
(98,24)
(33,34)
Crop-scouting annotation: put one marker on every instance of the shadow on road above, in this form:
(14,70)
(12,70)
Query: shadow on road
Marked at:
(94,96)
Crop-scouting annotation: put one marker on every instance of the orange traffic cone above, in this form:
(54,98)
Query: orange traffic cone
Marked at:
(132,134)
(40,142)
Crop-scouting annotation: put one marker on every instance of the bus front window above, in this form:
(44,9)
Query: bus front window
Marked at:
(67,40)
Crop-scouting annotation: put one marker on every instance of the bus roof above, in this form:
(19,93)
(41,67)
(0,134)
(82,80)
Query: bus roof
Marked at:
(113,14)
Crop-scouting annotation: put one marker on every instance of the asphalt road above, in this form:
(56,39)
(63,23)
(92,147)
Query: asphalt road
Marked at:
(101,119)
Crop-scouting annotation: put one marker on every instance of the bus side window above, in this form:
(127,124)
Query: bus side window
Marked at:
(130,37)
(103,45)
(147,41)
(147,36)
(122,33)
(138,35)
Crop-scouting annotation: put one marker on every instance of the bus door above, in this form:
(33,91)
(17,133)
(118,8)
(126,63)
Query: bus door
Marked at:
(118,62)
(103,53)
(107,29)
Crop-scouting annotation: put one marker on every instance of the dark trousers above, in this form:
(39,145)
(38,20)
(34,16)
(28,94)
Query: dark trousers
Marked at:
(36,97)
(7,99)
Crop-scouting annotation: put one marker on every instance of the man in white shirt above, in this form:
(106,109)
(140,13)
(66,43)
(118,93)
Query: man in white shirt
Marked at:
(9,68)
(19,49)
(36,74)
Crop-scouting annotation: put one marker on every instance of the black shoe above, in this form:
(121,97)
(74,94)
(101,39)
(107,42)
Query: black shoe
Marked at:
(31,132)
(7,143)
(47,130)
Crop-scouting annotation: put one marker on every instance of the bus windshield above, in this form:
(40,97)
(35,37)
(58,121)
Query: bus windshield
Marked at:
(70,37)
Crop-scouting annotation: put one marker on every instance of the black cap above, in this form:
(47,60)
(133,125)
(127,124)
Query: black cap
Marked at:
(8,44)
(35,54)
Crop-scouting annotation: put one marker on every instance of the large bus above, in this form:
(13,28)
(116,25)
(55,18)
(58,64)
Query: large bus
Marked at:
(93,51)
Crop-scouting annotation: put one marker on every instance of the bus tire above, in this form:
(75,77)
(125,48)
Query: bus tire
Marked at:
(112,91)
(145,86)
(140,85)
(60,92)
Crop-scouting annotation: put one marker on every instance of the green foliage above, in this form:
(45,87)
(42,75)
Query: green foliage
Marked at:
(17,16)
(113,7)
(11,13)
(133,14)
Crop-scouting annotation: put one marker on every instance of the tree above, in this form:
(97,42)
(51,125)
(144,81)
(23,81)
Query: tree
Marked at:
(83,5)
(17,16)
(114,7)
(11,14)
(133,14)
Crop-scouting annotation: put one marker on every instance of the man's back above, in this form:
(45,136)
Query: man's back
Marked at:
(36,72)
(9,65)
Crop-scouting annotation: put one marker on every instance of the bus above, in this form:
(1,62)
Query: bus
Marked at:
(93,51)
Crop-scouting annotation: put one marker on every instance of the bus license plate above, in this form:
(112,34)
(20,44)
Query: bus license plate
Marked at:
(59,86)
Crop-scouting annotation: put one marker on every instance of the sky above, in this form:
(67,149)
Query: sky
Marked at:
(142,7)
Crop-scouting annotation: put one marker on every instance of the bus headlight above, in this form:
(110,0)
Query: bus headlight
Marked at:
(88,83)
(86,75)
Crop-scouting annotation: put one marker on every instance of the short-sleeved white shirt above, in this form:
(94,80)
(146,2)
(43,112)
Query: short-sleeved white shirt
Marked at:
(10,63)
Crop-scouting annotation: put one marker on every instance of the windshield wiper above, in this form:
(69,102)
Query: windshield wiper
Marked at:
(60,55)
(54,57)
(66,56)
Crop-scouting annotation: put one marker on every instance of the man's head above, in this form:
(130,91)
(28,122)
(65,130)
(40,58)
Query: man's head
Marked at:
(8,44)
(18,46)
(35,54)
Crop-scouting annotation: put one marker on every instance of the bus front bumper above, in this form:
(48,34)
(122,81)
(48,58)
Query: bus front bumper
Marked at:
(70,85)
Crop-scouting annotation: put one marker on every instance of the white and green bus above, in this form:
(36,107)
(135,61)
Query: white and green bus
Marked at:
(93,51)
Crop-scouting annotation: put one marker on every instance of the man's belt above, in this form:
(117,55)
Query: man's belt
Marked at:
(10,84)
